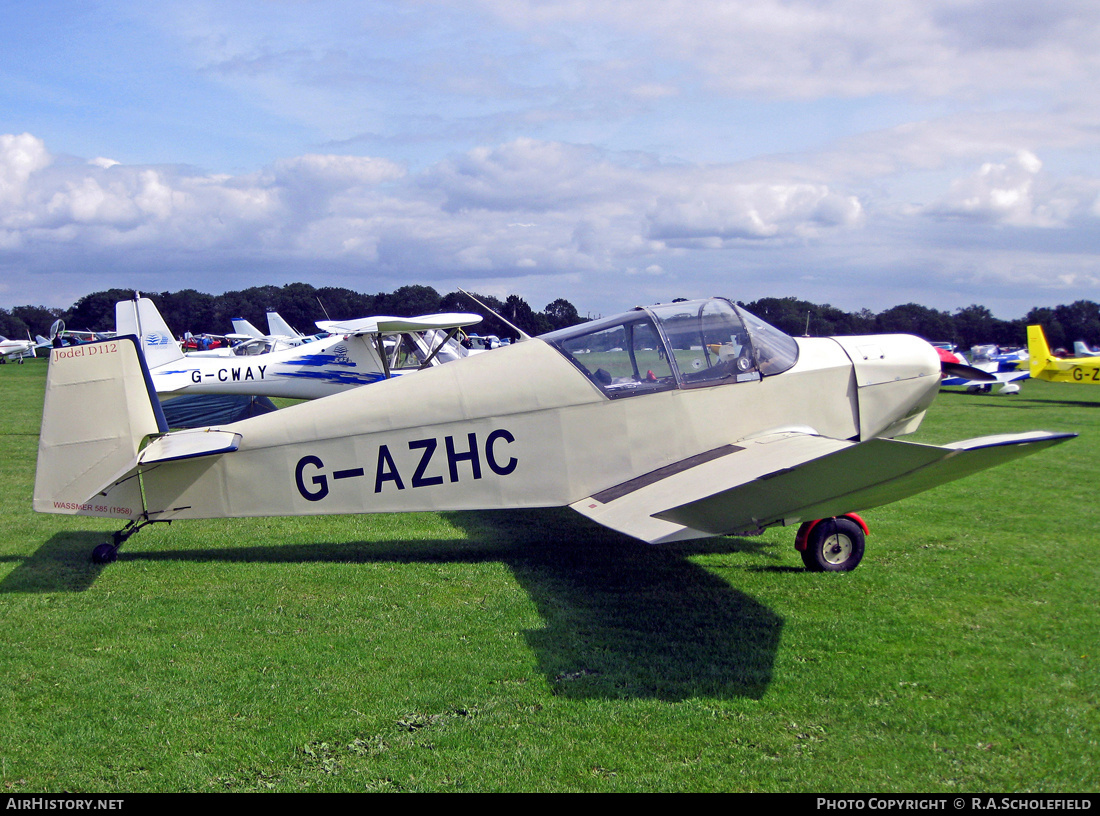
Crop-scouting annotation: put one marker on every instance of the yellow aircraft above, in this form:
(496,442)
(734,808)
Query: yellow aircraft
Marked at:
(1045,366)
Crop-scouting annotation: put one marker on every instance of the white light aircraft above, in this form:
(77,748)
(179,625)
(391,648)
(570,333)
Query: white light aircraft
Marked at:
(278,330)
(986,368)
(359,353)
(666,423)
(16,349)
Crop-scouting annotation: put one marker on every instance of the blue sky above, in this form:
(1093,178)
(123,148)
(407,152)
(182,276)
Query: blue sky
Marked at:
(854,152)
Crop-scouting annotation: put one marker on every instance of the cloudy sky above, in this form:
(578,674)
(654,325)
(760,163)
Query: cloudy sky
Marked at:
(612,152)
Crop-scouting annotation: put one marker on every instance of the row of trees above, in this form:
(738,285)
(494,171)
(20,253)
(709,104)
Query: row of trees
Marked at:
(301,304)
(967,327)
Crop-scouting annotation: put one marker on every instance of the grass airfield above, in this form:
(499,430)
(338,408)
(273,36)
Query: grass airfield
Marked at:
(535,651)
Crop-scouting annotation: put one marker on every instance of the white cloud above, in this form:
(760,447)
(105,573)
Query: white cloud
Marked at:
(471,212)
(20,157)
(843,47)
(1010,193)
(548,214)
(755,211)
(334,172)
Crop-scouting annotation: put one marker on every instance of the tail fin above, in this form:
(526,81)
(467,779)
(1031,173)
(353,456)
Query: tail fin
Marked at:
(242,326)
(277,326)
(99,408)
(139,317)
(1037,349)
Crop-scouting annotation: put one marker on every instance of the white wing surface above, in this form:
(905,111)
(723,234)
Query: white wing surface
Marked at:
(788,478)
(373,325)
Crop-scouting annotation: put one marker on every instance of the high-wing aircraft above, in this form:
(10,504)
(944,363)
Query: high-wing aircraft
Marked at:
(358,353)
(1045,366)
(666,423)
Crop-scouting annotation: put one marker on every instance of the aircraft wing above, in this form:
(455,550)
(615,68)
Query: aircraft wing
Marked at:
(374,325)
(786,478)
(998,376)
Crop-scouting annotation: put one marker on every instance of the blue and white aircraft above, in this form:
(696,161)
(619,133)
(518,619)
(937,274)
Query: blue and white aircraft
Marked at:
(357,353)
(1001,365)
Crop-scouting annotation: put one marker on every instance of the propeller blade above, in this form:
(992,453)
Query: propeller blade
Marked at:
(966,372)
(952,365)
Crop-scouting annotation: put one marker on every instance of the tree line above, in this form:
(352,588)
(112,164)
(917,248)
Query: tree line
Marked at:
(302,304)
(968,326)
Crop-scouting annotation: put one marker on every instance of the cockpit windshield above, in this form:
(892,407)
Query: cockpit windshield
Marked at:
(250,348)
(676,345)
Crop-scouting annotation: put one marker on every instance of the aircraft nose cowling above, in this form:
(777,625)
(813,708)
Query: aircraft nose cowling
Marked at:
(897,377)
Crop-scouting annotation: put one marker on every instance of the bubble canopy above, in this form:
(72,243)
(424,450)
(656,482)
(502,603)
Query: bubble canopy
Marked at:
(688,344)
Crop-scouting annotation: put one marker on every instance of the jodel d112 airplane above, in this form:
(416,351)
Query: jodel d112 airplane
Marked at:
(666,423)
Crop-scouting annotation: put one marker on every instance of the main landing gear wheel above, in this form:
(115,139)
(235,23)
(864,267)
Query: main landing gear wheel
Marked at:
(834,545)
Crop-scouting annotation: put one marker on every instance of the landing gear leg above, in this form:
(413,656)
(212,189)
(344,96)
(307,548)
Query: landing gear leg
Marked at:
(107,552)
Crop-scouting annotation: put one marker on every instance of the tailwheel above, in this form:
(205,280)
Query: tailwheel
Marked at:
(107,552)
(831,545)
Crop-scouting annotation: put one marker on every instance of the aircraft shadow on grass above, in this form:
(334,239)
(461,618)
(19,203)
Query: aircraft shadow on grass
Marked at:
(621,619)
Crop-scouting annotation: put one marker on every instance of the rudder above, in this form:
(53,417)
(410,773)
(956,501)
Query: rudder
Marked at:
(1037,349)
(99,408)
(140,317)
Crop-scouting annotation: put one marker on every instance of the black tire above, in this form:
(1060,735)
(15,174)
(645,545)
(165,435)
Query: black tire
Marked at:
(104,554)
(834,545)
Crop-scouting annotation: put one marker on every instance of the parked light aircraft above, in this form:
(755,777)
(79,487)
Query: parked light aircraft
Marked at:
(16,349)
(359,353)
(1045,366)
(278,330)
(666,423)
(212,345)
(986,368)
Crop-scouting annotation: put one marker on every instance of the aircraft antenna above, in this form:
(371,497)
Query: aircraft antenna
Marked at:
(522,334)
(323,309)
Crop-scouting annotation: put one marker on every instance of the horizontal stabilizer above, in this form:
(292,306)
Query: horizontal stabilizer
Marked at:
(188,445)
(792,477)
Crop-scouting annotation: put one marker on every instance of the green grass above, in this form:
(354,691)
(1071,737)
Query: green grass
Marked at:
(533,651)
